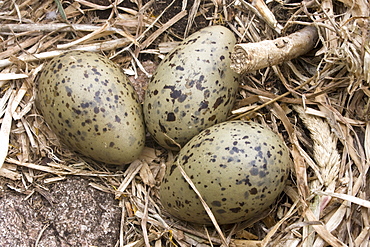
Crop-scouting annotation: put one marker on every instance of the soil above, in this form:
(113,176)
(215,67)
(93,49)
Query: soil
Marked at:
(67,213)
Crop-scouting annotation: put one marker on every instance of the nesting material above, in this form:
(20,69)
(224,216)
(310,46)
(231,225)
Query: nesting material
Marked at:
(249,57)
(317,101)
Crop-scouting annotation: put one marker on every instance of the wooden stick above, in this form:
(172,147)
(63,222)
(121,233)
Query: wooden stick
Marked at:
(254,56)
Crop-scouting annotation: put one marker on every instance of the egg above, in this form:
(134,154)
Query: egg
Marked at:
(192,88)
(90,104)
(239,168)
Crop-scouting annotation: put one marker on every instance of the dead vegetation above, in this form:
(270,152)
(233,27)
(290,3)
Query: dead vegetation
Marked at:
(318,102)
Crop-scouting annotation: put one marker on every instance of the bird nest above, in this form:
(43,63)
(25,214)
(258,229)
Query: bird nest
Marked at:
(317,101)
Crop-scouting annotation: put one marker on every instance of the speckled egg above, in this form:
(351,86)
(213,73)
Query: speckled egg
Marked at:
(193,88)
(238,167)
(91,105)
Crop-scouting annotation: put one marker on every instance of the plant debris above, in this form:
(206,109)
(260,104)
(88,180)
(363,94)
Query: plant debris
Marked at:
(317,101)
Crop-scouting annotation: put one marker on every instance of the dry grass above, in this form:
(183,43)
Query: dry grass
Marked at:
(318,102)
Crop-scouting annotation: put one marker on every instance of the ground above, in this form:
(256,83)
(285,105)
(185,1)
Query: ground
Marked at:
(67,213)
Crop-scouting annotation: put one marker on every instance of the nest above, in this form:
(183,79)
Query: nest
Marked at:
(318,102)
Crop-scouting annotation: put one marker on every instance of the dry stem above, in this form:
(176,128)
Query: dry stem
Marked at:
(254,56)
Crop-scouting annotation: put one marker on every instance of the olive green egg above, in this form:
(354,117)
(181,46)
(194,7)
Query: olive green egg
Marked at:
(192,88)
(90,104)
(239,168)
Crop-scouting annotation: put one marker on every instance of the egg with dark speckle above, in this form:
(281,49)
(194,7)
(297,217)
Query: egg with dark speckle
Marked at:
(193,88)
(239,168)
(90,104)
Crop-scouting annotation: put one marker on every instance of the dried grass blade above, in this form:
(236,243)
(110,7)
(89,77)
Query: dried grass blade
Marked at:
(267,15)
(122,227)
(6,173)
(40,234)
(54,179)
(367,142)
(61,9)
(272,101)
(20,46)
(19,14)
(97,47)
(27,106)
(34,166)
(163,28)
(93,5)
(142,35)
(30,58)
(332,224)
(191,17)
(281,114)
(11,76)
(363,237)
(206,207)
(130,173)
(147,175)
(367,63)
(300,167)
(60,170)
(323,231)
(196,233)
(52,27)
(353,150)
(267,94)
(5,129)
(311,111)
(96,34)
(5,98)
(269,235)
(352,199)
(358,8)
(145,219)
(17,99)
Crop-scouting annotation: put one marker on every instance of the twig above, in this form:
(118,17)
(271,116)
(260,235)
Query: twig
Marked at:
(254,56)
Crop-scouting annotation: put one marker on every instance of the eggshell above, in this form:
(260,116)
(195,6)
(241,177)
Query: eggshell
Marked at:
(238,167)
(193,88)
(91,105)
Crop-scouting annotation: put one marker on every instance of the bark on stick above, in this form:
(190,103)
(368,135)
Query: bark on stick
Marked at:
(249,57)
